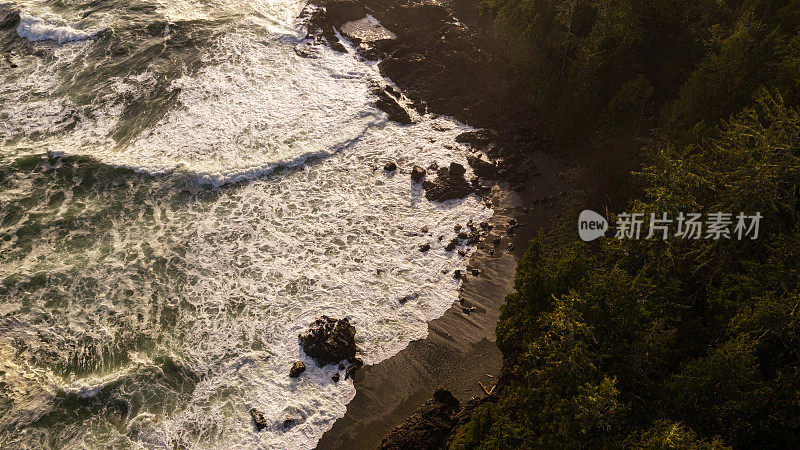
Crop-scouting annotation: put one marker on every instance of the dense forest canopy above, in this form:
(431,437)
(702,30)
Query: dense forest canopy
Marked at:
(660,343)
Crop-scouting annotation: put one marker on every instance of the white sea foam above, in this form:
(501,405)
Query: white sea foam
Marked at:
(35,30)
(247,268)
(263,107)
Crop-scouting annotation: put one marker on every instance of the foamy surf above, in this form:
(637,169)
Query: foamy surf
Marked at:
(153,306)
(35,30)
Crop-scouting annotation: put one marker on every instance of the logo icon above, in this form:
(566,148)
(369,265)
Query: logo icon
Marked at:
(591,225)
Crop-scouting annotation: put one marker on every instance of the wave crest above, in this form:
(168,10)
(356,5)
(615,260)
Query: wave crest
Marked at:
(35,29)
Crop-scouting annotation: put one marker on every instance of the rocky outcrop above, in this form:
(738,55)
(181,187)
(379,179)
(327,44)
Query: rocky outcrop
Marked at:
(330,340)
(342,11)
(391,107)
(479,138)
(355,364)
(441,65)
(417,175)
(429,426)
(449,184)
(482,168)
(9,18)
(297,369)
(258,419)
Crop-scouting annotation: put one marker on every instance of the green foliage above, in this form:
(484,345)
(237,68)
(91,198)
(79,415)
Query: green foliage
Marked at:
(605,73)
(664,343)
(670,435)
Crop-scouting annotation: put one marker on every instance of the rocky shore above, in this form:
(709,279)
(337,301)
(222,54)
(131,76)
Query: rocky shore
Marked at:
(443,59)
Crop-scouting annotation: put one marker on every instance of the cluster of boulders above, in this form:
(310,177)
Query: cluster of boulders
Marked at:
(449,184)
(260,421)
(429,427)
(330,340)
(434,57)
(433,424)
(321,18)
(327,341)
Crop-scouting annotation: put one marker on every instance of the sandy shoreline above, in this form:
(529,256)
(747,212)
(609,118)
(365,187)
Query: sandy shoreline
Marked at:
(446,67)
(460,349)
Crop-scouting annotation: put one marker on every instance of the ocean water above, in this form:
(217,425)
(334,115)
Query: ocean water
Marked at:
(181,194)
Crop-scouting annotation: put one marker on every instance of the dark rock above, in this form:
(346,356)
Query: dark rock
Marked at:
(389,105)
(297,369)
(457,228)
(417,174)
(392,91)
(425,228)
(479,138)
(449,184)
(444,396)
(341,11)
(425,247)
(467,309)
(421,16)
(258,419)
(9,18)
(457,170)
(497,241)
(321,30)
(375,50)
(462,253)
(457,274)
(463,235)
(482,168)
(336,45)
(486,226)
(494,151)
(510,246)
(404,300)
(335,377)
(330,340)
(390,166)
(288,422)
(452,245)
(355,364)
(428,427)
(341,366)
(476,272)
